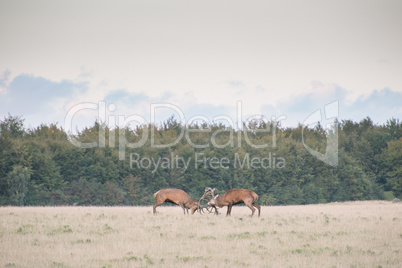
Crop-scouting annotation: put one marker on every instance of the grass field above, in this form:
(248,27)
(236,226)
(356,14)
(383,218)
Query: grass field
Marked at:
(353,234)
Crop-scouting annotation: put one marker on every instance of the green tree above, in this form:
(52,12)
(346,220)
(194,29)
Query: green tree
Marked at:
(133,187)
(393,166)
(12,126)
(18,180)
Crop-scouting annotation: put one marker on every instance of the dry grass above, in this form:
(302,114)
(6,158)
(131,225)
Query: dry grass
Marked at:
(354,234)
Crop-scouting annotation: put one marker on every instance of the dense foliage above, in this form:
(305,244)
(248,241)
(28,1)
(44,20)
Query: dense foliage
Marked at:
(41,166)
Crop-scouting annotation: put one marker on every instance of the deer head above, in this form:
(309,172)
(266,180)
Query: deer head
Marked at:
(208,192)
(212,202)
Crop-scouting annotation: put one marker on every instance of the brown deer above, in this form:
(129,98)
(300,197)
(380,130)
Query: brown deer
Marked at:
(176,196)
(236,196)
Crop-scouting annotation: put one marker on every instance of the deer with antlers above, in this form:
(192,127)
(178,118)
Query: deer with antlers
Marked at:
(233,197)
(176,196)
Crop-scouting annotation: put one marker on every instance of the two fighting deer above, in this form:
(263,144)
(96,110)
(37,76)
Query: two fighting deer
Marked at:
(186,202)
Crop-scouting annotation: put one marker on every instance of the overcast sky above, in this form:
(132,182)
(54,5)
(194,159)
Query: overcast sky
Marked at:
(276,57)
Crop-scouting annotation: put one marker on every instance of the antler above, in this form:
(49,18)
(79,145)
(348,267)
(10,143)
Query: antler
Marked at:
(209,192)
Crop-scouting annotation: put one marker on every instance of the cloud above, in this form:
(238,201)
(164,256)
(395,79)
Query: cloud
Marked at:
(37,98)
(297,108)
(29,93)
(123,96)
(236,83)
(208,110)
(4,79)
(168,104)
(379,105)
(40,100)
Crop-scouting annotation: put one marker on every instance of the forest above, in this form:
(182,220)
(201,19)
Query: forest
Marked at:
(43,166)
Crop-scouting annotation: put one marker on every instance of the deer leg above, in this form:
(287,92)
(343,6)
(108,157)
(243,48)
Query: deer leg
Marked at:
(216,211)
(229,210)
(252,209)
(154,209)
(258,207)
(182,206)
(158,203)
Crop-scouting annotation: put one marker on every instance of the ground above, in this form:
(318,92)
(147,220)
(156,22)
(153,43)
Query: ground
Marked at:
(352,234)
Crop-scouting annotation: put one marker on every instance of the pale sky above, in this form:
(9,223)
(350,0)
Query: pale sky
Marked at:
(275,57)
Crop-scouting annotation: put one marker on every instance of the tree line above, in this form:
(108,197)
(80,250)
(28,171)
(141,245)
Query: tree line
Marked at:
(41,166)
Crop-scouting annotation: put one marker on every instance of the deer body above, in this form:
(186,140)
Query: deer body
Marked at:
(176,196)
(236,196)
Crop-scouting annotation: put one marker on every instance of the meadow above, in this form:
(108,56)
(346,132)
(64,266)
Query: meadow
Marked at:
(351,234)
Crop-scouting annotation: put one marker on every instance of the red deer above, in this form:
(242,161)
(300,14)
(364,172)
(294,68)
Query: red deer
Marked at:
(236,196)
(178,197)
